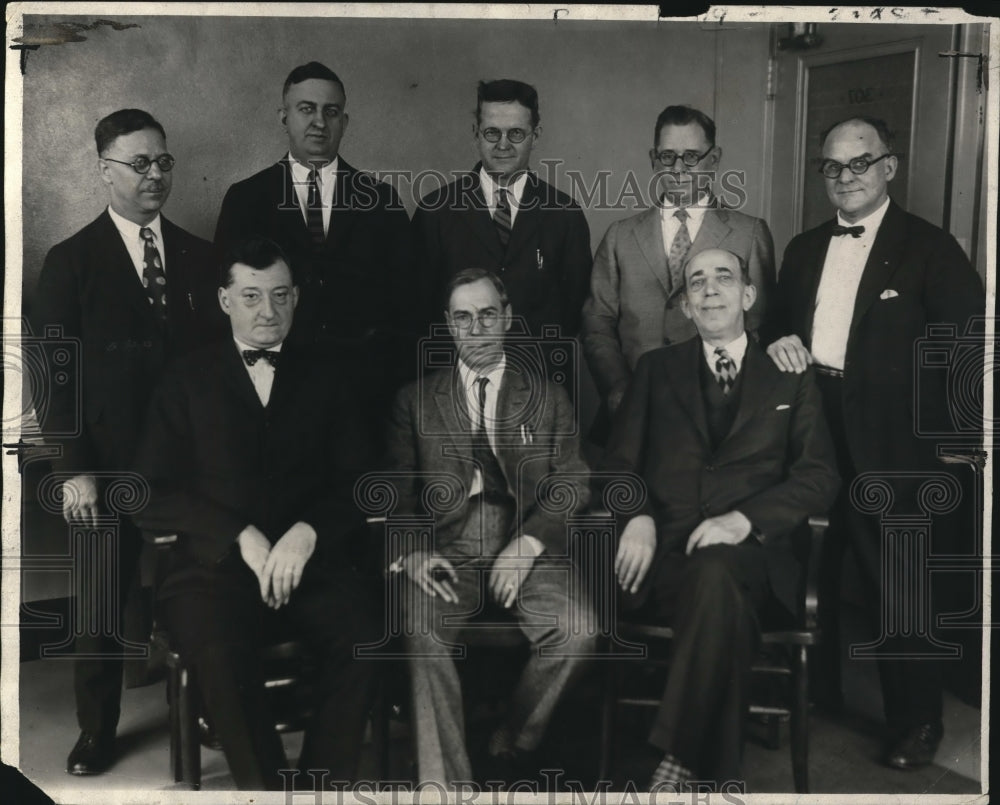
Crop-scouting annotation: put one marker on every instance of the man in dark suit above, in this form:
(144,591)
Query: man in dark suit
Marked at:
(503,434)
(854,296)
(252,449)
(735,455)
(635,287)
(344,231)
(134,289)
(502,217)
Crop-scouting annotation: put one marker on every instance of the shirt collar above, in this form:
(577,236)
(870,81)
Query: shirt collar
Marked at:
(242,346)
(736,348)
(489,185)
(130,229)
(301,171)
(469,376)
(870,222)
(696,211)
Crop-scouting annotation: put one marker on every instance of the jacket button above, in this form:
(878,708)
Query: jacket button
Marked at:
(709,468)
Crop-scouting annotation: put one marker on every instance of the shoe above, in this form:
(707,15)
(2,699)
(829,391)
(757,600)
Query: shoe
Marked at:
(91,755)
(916,746)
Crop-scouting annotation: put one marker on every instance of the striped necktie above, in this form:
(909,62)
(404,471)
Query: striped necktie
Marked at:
(314,210)
(153,278)
(501,216)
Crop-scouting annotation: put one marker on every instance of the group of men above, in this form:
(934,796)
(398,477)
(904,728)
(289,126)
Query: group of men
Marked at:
(744,403)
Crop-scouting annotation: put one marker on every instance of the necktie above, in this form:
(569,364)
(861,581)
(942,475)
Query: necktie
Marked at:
(679,249)
(725,370)
(501,216)
(153,278)
(314,210)
(853,231)
(251,356)
(494,482)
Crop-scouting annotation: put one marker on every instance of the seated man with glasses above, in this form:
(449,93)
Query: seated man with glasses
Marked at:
(856,296)
(633,305)
(503,217)
(134,290)
(507,437)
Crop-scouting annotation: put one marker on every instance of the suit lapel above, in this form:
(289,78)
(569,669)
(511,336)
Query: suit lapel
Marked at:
(759,378)
(123,274)
(450,416)
(476,213)
(811,274)
(713,231)
(237,378)
(683,375)
(649,236)
(289,211)
(881,263)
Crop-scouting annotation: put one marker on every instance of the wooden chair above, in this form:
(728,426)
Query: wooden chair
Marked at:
(788,665)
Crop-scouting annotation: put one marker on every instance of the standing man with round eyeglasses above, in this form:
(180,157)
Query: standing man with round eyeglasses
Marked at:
(502,217)
(134,290)
(854,297)
(635,286)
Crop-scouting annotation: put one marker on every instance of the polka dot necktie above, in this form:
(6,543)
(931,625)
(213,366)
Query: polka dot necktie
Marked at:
(725,370)
(153,278)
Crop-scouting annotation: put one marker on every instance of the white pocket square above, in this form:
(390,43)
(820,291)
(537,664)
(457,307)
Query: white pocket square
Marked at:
(888,293)
(782,408)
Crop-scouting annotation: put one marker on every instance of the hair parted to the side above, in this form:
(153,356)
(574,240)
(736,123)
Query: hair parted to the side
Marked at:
(682,116)
(313,69)
(469,275)
(257,252)
(124,121)
(505,90)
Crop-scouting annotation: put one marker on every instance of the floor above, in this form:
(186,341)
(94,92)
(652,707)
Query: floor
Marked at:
(844,750)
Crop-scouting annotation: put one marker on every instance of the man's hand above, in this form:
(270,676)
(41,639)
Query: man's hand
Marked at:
(615,399)
(287,560)
(510,568)
(254,548)
(726,529)
(79,502)
(635,552)
(790,355)
(431,573)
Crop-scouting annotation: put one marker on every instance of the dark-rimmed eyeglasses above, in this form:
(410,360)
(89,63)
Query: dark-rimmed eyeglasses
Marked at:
(164,162)
(689,158)
(515,136)
(832,169)
(486,318)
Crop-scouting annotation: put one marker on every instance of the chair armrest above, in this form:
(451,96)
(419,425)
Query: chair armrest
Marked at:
(818,526)
(159,541)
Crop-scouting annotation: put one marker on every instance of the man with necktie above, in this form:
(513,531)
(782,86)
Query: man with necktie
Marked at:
(503,217)
(635,286)
(499,430)
(735,455)
(854,296)
(134,290)
(344,231)
(251,450)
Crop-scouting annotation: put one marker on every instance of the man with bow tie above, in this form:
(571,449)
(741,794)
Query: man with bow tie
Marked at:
(252,449)
(507,436)
(854,296)
(735,455)
(134,290)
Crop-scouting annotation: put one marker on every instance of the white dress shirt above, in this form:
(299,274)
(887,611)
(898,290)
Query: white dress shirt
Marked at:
(327,182)
(669,224)
(515,190)
(129,230)
(261,373)
(736,348)
(468,378)
(838,288)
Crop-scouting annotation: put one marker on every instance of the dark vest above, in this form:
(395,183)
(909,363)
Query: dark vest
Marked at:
(720,409)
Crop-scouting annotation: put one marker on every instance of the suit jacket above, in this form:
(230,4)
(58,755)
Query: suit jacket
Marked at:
(932,283)
(545,266)
(356,286)
(776,465)
(217,460)
(632,306)
(430,432)
(89,287)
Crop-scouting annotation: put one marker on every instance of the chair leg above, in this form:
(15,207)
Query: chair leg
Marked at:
(173,701)
(609,707)
(800,722)
(190,743)
(773,740)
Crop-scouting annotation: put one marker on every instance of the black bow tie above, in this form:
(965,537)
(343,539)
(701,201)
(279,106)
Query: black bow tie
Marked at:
(251,356)
(853,231)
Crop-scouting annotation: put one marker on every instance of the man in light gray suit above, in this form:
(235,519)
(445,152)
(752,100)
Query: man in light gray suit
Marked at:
(503,433)
(637,278)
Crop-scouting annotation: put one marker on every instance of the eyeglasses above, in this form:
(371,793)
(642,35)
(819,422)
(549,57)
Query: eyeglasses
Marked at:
(689,158)
(515,136)
(832,169)
(486,318)
(164,162)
